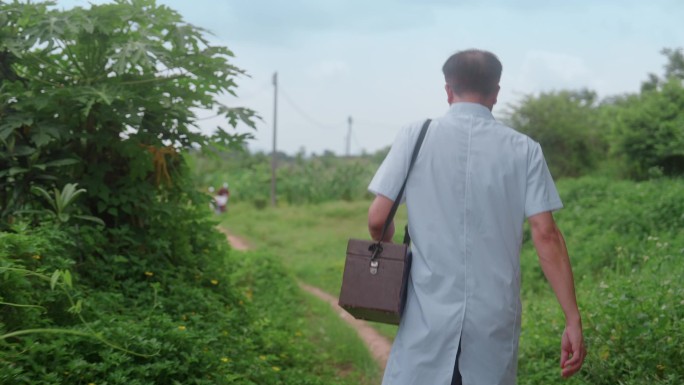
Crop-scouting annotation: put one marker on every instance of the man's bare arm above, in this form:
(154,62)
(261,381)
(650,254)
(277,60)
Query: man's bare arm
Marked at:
(554,261)
(377,215)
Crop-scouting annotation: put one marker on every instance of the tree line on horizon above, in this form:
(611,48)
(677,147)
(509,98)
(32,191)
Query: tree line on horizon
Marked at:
(633,135)
(630,136)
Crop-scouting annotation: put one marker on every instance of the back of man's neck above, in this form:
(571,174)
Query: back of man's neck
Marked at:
(476,100)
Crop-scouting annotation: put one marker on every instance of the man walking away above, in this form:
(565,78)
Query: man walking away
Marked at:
(474,183)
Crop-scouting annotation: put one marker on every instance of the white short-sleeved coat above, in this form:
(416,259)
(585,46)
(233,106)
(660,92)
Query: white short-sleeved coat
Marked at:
(472,186)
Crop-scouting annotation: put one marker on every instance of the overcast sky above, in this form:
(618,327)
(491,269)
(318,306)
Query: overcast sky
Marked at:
(379,61)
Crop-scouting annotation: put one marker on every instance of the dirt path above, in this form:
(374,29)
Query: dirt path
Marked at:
(236,242)
(378,345)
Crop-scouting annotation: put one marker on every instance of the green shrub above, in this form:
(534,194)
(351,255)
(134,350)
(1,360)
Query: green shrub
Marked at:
(154,295)
(648,132)
(238,321)
(568,126)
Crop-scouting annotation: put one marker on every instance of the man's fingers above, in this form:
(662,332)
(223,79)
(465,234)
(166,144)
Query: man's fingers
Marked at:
(564,357)
(570,370)
(573,365)
(572,353)
(576,357)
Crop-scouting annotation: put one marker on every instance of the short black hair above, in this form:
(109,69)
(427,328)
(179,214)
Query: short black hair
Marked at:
(473,70)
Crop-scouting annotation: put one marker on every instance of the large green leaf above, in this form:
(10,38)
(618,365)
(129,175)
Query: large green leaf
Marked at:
(22,150)
(40,138)
(14,171)
(62,162)
(12,122)
(90,219)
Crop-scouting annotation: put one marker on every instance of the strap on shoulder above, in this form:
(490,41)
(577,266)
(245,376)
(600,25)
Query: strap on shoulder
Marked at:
(397,200)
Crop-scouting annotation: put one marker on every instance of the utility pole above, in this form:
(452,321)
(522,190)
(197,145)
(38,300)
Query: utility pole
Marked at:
(274,160)
(349,135)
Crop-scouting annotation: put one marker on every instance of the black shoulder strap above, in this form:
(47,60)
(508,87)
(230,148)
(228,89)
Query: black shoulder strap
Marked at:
(397,200)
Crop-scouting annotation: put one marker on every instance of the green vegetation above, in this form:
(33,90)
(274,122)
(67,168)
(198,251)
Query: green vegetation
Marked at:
(315,236)
(624,236)
(630,135)
(104,97)
(626,241)
(300,180)
(338,344)
(568,126)
(111,270)
(310,239)
(237,320)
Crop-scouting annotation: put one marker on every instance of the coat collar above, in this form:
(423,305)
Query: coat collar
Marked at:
(474,109)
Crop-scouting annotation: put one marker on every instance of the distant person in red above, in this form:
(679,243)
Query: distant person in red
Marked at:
(222,198)
(213,204)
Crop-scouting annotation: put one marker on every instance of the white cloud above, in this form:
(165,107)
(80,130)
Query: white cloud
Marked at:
(544,70)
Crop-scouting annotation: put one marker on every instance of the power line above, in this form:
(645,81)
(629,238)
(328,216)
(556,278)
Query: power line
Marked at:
(356,141)
(265,86)
(364,122)
(302,113)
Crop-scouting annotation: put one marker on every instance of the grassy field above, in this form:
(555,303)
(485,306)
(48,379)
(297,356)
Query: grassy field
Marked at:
(626,241)
(312,248)
(311,239)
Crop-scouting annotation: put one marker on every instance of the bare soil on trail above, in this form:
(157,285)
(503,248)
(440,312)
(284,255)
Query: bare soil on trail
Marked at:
(235,242)
(378,345)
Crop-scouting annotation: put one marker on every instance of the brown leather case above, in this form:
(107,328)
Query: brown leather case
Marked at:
(375,292)
(376,274)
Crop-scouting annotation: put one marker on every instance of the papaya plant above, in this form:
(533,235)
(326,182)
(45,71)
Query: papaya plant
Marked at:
(107,97)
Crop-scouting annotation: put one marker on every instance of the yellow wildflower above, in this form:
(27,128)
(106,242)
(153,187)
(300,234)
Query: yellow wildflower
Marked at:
(181,328)
(149,273)
(214,282)
(275,368)
(262,358)
(225,359)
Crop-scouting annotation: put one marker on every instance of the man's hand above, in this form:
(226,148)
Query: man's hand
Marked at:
(572,350)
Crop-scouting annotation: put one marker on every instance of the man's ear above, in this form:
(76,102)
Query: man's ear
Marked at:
(450,93)
(495,95)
